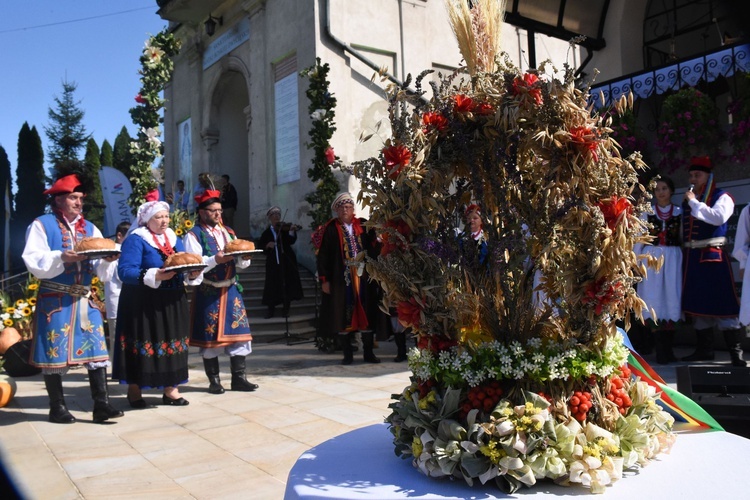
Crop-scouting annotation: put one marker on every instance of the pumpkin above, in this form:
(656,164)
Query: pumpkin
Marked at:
(7,389)
(8,337)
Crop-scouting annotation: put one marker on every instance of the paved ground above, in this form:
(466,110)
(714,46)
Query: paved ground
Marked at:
(235,445)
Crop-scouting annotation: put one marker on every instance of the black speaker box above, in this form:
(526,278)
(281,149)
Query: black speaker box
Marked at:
(723,391)
(17,360)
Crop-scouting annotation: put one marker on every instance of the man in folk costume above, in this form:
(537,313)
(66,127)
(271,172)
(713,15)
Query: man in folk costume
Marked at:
(349,299)
(68,329)
(708,293)
(218,317)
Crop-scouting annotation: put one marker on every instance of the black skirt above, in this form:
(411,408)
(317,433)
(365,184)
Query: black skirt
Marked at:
(152,337)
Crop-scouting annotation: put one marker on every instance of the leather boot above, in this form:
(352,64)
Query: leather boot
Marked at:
(400,339)
(239,380)
(733,339)
(212,372)
(704,346)
(102,409)
(346,346)
(58,412)
(368,341)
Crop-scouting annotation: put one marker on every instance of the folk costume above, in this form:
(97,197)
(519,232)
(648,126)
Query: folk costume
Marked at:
(708,293)
(68,329)
(282,283)
(352,304)
(218,319)
(151,349)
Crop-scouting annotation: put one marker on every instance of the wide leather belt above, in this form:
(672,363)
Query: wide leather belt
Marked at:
(220,284)
(80,291)
(719,241)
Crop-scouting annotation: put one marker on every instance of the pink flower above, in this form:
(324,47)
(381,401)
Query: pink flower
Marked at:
(330,155)
(139,99)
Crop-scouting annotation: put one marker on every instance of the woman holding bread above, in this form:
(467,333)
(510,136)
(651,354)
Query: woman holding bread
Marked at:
(151,349)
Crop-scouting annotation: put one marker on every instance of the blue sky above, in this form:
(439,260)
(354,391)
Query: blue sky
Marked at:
(94,43)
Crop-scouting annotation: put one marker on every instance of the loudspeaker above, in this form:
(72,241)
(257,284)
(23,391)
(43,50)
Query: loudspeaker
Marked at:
(17,360)
(723,391)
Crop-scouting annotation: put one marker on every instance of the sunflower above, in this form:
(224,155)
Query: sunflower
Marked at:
(33,286)
(32,301)
(94,280)
(19,302)
(10,310)
(27,311)
(178,232)
(95,289)
(188,223)
(8,322)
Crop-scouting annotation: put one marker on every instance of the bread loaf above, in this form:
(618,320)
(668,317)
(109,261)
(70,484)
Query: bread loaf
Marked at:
(87,244)
(183,259)
(239,246)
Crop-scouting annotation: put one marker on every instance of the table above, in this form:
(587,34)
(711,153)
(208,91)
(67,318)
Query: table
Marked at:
(362,464)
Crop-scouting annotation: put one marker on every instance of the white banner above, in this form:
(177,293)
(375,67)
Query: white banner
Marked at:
(116,192)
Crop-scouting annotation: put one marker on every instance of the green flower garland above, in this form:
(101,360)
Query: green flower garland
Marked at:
(156,72)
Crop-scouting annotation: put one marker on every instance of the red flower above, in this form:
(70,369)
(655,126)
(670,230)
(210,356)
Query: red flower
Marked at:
(330,155)
(139,99)
(485,108)
(396,158)
(170,351)
(614,209)
(528,87)
(434,120)
(602,293)
(463,103)
(402,228)
(584,140)
(409,312)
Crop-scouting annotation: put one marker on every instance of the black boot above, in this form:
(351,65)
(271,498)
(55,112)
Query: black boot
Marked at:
(239,380)
(212,371)
(58,412)
(102,409)
(733,339)
(346,346)
(400,339)
(663,340)
(368,341)
(704,346)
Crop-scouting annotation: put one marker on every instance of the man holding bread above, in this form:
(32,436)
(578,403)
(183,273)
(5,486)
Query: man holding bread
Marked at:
(218,318)
(69,331)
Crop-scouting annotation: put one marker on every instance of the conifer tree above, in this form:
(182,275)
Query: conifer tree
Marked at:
(94,204)
(30,201)
(66,132)
(122,160)
(106,157)
(6,187)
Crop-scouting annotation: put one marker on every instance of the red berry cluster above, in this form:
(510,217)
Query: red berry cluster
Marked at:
(580,404)
(484,398)
(618,395)
(625,372)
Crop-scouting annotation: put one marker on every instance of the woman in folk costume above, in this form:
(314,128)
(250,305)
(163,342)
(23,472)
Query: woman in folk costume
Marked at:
(219,322)
(708,292)
(68,329)
(151,349)
(350,300)
(474,233)
(662,290)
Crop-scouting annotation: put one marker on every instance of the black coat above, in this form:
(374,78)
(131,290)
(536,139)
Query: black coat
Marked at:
(282,277)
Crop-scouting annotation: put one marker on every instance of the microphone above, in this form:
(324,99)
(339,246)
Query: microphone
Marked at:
(692,186)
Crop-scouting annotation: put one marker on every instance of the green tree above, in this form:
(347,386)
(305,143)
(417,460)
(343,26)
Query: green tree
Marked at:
(7,188)
(106,157)
(122,159)
(94,206)
(66,132)
(30,201)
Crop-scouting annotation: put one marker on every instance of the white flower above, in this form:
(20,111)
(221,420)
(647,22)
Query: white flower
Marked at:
(153,55)
(318,114)
(152,136)
(4,316)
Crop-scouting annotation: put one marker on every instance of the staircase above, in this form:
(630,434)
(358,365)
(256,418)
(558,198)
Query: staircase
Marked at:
(302,313)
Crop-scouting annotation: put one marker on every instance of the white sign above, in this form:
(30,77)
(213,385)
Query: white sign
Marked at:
(116,191)
(287,129)
(227,42)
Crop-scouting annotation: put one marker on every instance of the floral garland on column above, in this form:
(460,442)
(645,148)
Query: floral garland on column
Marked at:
(156,72)
(321,108)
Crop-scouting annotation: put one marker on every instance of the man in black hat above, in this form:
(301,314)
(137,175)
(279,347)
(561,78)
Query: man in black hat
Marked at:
(69,330)
(708,294)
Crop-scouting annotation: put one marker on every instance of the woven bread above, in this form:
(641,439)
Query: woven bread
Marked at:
(239,246)
(183,259)
(87,244)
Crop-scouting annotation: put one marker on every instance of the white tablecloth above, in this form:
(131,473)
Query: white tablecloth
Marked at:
(362,464)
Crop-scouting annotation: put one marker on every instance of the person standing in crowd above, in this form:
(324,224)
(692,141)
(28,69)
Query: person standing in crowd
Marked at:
(180,198)
(112,283)
(151,349)
(228,200)
(219,321)
(741,252)
(349,298)
(708,294)
(282,283)
(68,329)
(662,290)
